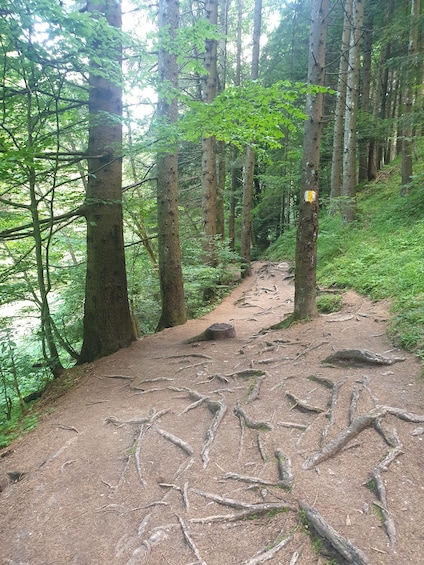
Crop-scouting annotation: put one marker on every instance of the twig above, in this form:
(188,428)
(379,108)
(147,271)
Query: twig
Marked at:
(344,547)
(266,555)
(70,428)
(292,425)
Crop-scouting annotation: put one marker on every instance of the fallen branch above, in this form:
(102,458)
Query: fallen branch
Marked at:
(344,547)
(331,448)
(302,405)
(266,555)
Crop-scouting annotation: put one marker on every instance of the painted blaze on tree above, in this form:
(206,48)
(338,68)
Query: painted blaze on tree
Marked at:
(307,233)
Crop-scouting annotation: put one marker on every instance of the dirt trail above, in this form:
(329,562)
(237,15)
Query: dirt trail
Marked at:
(169,453)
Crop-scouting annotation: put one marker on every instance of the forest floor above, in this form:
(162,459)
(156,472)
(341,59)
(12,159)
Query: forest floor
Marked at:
(229,451)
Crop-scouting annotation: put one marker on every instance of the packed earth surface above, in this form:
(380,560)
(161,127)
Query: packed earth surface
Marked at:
(288,446)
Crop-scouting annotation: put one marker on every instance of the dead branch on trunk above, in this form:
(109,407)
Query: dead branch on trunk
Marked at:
(331,448)
(253,424)
(344,547)
(186,447)
(302,405)
(268,554)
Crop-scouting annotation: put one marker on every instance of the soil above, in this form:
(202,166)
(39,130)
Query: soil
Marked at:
(200,453)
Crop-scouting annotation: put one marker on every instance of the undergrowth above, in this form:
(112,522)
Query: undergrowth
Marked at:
(380,255)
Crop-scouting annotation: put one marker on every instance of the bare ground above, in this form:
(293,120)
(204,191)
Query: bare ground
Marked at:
(173,453)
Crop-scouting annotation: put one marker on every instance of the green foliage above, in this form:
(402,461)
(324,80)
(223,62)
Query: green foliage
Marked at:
(329,303)
(250,114)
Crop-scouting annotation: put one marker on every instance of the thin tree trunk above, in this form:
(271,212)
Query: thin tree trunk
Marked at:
(351,118)
(249,166)
(365,99)
(410,81)
(170,268)
(307,232)
(107,319)
(209,173)
(337,159)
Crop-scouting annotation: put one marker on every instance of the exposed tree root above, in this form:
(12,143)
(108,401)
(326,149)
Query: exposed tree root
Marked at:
(259,508)
(255,480)
(331,448)
(360,357)
(186,447)
(284,469)
(190,541)
(218,410)
(292,425)
(333,401)
(266,555)
(302,405)
(344,547)
(240,413)
(254,392)
(353,403)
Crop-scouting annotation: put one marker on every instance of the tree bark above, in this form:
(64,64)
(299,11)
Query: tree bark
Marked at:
(170,269)
(351,117)
(409,82)
(209,172)
(249,166)
(107,319)
(307,233)
(337,159)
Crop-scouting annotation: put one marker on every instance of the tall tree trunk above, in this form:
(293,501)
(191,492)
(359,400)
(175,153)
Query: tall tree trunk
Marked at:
(337,160)
(170,269)
(307,232)
(209,173)
(364,142)
(351,116)
(409,82)
(249,166)
(107,319)
(235,169)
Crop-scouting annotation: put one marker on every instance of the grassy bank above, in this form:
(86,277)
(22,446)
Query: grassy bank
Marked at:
(380,255)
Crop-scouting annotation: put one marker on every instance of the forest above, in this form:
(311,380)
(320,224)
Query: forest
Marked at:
(151,151)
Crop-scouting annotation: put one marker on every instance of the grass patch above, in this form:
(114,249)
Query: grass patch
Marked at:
(380,255)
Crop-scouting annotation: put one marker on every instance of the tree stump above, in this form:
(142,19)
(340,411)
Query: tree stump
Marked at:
(215,332)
